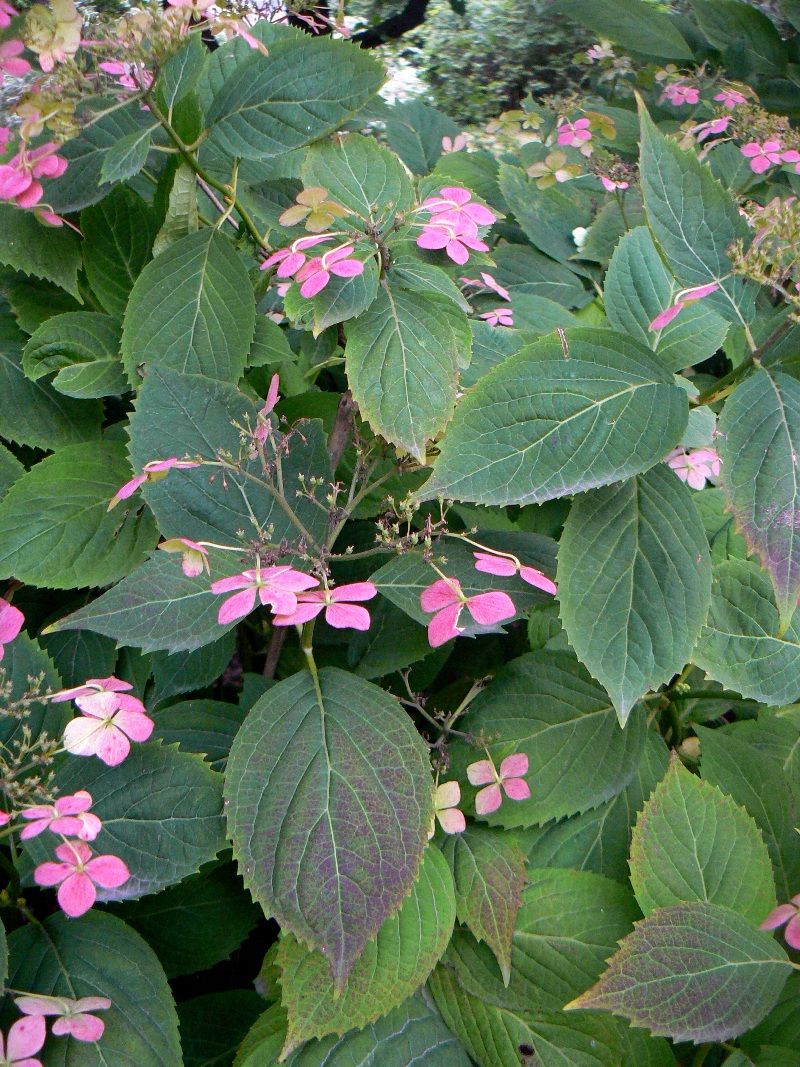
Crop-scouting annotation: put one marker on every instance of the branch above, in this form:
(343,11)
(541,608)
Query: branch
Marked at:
(412,15)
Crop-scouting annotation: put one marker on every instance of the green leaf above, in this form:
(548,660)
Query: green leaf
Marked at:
(693,843)
(207,727)
(188,414)
(99,955)
(392,642)
(161,811)
(117,240)
(74,337)
(305,89)
(360,175)
(213,1025)
(264,1041)
(192,310)
(415,130)
(723,539)
(411,272)
(402,358)
(729,23)
(782,1025)
(542,426)
(80,184)
(79,656)
(85,381)
(742,645)
(23,660)
(638,286)
(538,315)
(3,954)
(521,269)
(545,705)
(754,780)
(634,24)
(599,839)
(340,300)
(55,527)
(634,579)
(692,972)
(126,157)
(10,470)
(195,924)
(547,216)
(28,246)
(489,875)
(759,444)
(181,72)
(394,965)
(181,218)
(155,607)
(329,802)
(173,674)
(490,346)
(694,221)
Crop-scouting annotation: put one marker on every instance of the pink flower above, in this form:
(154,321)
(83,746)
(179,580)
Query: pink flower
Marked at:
(488,281)
(291,259)
(457,239)
(679,94)
(696,467)
(711,128)
(69,816)
(7,13)
(9,63)
(73,1014)
(731,98)
(153,471)
(340,606)
(792,156)
(445,598)
(762,157)
(129,75)
(454,205)
(445,809)
(499,317)
(610,185)
(688,296)
(510,780)
(275,586)
(273,395)
(25,1038)
(788,914)
(194,556)
(506,566)
(91,686)
(454,144)
(316,274)
(11,622)
(5,818)
(77,875)
(108,724)
(574,134)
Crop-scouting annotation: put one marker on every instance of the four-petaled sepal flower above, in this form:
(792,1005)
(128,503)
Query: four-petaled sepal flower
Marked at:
(78,874)
(445,809)
(508,780)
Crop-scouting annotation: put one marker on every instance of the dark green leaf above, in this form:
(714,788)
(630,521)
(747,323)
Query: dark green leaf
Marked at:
(547,216)
(23,660)
(27,245)
(633,24)
(126,157)
(117,239)
(204,726)
(212,1026)
(360,175)
(74,337)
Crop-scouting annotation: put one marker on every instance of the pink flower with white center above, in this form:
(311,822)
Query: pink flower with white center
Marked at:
(574,134)
(107,725)
(712,128)
(274,586)
(499,317)
(90,687)
(762,156)
(455,205)
(695,467)
(194,556)
(688,296)
(7,13)
(25,1039)
(731,98)
(11,622)
(679,94)
(290,260)
(454,144)
(316,274)
(73,1015)
(507,566)
(77,875)
(445,809)
(509,780)
(153,471)
(610,185)
(445,598)
(69,816)
(488,281)
(788,915)
(341,607)
(10,63)
(456,239)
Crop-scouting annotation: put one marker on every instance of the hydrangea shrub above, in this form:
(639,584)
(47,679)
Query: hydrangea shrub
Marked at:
(399,550)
